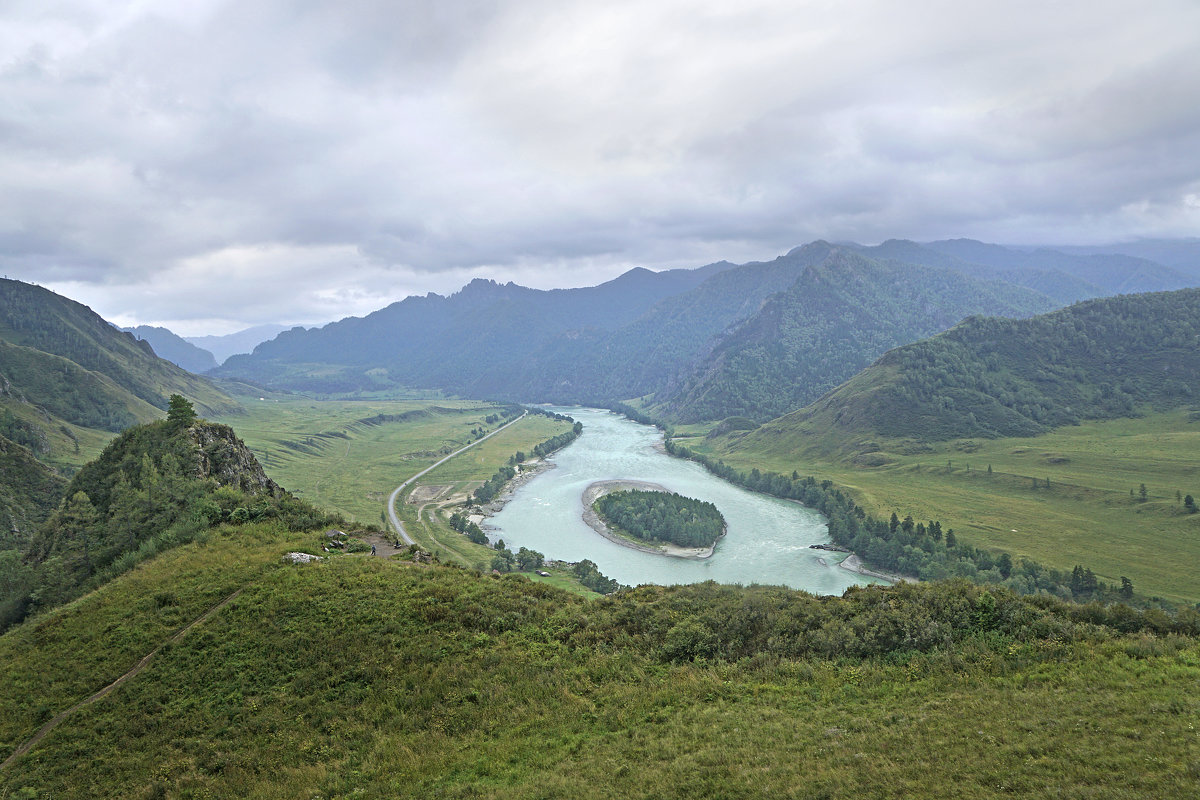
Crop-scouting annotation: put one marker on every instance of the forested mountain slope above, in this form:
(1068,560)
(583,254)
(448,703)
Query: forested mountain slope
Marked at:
(29,491)
(175,348)
(841,315)
(658,351)
(453,342)
(755,340)
(993,377)
(37,318)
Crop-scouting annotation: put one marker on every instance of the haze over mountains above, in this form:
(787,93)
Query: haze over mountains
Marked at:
(756,339)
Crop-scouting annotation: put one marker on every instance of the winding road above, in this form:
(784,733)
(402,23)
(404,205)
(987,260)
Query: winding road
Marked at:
(391,503)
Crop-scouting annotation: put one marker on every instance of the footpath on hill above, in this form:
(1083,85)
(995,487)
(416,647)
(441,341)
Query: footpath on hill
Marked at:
(60,716)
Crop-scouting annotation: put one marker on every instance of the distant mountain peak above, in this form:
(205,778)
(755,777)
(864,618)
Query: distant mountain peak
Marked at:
(815,246)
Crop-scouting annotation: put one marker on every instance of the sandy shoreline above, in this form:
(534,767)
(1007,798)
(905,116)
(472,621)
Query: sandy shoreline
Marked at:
(598,489)
(852,563)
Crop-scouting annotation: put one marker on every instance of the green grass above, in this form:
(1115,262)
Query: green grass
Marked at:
(480,462)
(362,677)
(320,451)
(464,472)
(1086,516)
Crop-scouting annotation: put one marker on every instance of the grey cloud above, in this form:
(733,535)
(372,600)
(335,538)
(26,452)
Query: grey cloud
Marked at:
(311,159)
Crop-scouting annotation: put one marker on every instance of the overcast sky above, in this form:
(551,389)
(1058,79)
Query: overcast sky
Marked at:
(209,165)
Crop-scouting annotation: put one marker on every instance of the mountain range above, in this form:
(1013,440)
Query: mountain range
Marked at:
(757,339)
(990,377)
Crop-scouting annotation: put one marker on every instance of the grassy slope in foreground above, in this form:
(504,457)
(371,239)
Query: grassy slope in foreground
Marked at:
(1086,515)
(366,677)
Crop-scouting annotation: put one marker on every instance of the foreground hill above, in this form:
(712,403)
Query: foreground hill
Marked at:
(364,677)
(155,485)
(999,377)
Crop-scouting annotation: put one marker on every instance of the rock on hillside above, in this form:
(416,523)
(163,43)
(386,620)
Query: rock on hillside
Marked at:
(222,456)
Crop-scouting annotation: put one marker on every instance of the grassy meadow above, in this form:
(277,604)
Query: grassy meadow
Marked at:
(345,456)
(373,678)
(1086,507)
(334,454)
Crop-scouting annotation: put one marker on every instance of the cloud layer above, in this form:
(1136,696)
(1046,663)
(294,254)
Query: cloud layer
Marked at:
(209,165)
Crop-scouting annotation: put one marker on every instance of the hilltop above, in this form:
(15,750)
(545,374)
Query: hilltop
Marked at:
(152,487)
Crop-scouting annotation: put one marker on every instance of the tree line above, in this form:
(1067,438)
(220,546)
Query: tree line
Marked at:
(914,548)
(495,484)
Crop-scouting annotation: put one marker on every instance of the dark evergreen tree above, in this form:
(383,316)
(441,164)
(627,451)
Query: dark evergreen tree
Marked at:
(180,412)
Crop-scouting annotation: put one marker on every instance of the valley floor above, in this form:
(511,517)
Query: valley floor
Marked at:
(1086,507)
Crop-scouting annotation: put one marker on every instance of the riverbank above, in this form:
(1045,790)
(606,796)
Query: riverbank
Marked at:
(853,563)
(527,472)
(598,489)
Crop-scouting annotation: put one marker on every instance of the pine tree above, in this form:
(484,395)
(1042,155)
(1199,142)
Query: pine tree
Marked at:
(180,412)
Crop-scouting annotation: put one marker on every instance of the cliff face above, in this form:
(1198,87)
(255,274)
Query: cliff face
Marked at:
(223,457)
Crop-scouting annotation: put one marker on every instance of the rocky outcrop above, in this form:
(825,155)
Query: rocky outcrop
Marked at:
(222,456)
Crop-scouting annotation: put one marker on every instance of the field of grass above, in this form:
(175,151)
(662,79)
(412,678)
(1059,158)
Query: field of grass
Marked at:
(324,452)
(427,522)
(366,677)
(1081,512)
(330,453)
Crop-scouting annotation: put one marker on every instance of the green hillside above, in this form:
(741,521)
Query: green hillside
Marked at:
(37,318)
(29,492)
(364,677)
(63,389)
(961,428)
(154,486)
(988,377)
(841,315)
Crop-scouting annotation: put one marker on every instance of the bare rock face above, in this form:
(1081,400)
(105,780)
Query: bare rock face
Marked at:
(222,456)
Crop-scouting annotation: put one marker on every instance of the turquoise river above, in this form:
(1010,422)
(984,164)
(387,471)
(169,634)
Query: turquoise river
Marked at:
(767,543)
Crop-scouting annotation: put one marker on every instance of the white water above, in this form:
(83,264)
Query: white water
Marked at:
(767,543)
